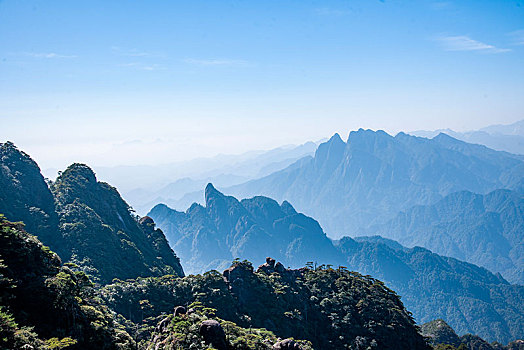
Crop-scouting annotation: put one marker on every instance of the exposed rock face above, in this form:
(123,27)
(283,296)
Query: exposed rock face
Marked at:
(270,266)
(287,344)
(213,334)
(439,332)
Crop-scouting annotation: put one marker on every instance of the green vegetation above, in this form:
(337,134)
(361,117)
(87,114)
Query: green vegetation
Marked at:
(46,305)
(182,331)
(333,309)
(85,221)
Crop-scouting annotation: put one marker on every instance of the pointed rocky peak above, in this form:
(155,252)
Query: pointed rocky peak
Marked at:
(331,151)
(445,139)
(288,208)
(439,332)
(211,193)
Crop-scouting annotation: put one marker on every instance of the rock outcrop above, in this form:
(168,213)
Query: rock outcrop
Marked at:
(213,334)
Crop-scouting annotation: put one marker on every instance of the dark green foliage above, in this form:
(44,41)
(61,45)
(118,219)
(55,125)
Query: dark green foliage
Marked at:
(24,195)
(40,299)
(175,332)
(100,232)
(333,309)
(486,230)
(85,221)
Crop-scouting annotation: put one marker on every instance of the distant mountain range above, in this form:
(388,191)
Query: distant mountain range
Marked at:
(349,186)
(509,138)
(486,230)
(470,298)
(143,186)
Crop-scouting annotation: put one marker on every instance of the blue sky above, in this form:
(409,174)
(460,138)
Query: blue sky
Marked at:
(126,82)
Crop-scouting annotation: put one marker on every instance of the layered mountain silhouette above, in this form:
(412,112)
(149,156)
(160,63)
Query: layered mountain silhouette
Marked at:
(470,298)
(367,180)
(85,221)
(487,230)
(509,138)
(211,236)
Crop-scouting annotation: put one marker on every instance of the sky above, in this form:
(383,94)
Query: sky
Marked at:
(149,82)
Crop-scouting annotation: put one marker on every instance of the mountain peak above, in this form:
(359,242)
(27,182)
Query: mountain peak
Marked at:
(331,151)
(211,192)
(10,153)
(335,138)
(79,169)
(288,208)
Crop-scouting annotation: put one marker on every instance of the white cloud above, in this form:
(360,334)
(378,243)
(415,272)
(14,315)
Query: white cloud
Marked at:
(135,52)
(143,66)
(47,55)
(517,37)
(465,43)
(326,11)
(216,62)
(440,5)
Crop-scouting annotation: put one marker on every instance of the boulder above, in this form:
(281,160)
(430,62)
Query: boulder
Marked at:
(287,344)
(280,268)
(213,334)
(179,310)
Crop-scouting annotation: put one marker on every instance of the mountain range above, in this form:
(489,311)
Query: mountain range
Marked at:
(509,138)
(486,230)
(143,186)
(470,298)
(349,186)
(461,197)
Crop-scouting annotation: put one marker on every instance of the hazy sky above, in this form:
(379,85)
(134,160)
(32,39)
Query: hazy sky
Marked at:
(132,82)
